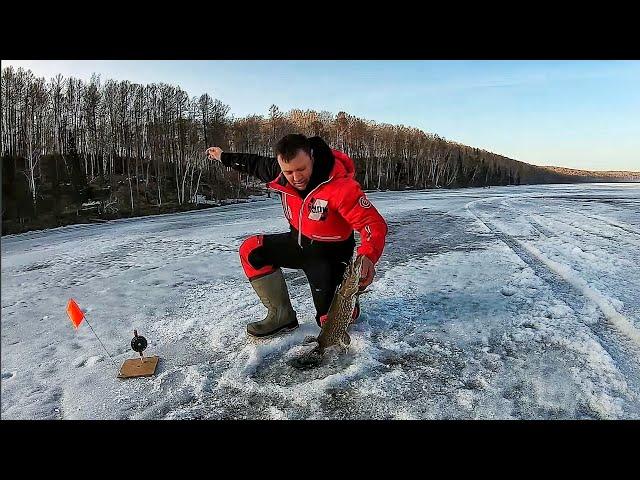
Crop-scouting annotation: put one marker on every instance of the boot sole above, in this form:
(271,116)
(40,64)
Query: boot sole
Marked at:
(274,334)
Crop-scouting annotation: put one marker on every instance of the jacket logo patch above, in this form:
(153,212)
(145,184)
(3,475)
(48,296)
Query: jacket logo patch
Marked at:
(318,209)
(364,202)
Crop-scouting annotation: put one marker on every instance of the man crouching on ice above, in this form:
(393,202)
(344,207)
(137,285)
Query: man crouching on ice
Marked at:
(324,205)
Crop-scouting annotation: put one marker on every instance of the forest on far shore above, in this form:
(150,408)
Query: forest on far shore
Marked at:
(77,152)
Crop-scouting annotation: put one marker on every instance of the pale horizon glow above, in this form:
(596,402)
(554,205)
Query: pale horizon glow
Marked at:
(574,114)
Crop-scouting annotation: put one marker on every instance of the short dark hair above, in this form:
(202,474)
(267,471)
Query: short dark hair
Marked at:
(289,146)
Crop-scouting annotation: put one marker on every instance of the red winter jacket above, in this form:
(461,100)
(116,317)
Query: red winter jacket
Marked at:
(336,207)
(332,210)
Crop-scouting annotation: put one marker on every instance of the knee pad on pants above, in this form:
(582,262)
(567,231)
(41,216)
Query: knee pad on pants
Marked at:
(247,247)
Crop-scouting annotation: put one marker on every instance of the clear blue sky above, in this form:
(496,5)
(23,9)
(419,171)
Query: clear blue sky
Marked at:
(578,114)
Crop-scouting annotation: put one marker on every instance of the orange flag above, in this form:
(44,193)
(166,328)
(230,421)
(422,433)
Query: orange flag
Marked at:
(75,314)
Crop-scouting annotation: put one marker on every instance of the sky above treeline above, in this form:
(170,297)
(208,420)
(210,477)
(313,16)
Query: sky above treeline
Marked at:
(576,114)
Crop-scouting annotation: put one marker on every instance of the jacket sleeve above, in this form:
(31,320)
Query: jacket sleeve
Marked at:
(356,209)
(264,168)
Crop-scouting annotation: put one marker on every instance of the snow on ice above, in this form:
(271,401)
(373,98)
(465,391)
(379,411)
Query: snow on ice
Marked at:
(509,302)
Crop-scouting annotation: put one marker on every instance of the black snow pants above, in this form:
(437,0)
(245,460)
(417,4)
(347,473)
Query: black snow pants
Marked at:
(323,263)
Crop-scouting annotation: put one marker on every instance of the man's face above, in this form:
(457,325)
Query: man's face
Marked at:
(297,170)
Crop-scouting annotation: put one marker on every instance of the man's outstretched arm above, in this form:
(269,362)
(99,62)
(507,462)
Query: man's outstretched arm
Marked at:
(264,168)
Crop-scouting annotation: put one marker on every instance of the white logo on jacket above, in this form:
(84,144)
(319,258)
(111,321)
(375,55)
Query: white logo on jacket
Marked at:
(317,209)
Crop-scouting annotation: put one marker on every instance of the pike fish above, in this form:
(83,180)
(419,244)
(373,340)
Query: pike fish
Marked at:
(339,317)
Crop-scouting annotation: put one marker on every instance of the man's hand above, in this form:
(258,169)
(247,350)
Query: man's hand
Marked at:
(214,153)
(367,273)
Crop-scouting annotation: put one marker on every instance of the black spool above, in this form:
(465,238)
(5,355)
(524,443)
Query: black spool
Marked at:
(138,342)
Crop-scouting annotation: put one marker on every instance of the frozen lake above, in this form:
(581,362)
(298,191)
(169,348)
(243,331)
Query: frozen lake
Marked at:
(509,302)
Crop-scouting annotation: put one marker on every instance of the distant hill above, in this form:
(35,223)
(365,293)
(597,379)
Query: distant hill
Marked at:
(574,175)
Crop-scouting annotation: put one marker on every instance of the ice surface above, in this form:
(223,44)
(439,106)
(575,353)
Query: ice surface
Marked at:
(488,303)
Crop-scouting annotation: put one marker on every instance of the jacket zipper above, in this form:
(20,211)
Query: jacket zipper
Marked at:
(302,209)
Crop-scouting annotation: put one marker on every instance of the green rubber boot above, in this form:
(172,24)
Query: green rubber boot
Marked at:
(272,291)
